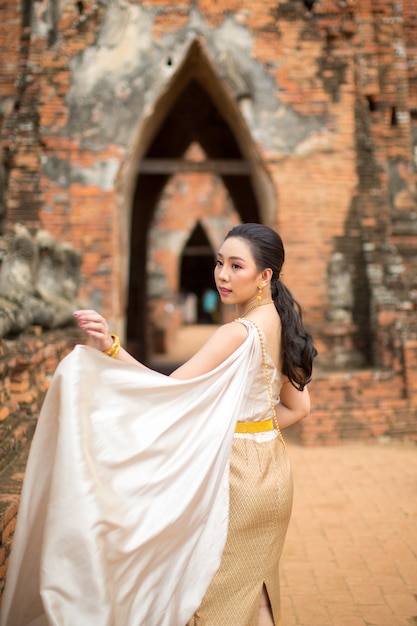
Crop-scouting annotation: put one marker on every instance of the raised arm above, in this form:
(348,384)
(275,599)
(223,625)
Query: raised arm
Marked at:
(224,341)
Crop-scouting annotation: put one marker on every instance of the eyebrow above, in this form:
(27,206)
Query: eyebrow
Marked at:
(232,258)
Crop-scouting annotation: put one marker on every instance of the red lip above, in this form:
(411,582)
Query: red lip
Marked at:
(223,291)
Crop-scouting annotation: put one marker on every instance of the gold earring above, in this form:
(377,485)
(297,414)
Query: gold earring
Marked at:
(259,296)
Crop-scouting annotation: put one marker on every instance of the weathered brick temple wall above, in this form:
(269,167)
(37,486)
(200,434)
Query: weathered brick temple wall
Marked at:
(26,366)
(142,131)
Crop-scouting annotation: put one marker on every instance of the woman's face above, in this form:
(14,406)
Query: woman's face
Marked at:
(236,274)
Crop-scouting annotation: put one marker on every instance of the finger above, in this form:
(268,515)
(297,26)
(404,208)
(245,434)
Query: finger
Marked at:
(103,342)
(88,315)
(85,312)
(86,318)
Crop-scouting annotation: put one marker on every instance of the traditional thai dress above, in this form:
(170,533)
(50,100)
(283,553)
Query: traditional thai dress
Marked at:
(124,511)
(260,508)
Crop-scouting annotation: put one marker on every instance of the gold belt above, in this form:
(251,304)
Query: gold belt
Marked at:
(254,427)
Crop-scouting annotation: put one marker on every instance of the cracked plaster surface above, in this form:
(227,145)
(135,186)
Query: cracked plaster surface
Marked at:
(116,82)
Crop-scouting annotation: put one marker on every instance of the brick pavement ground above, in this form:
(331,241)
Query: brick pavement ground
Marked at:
(350,557)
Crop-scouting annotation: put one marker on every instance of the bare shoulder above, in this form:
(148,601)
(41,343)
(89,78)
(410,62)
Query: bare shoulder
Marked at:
(270,324)
(222,343)
(231,332)
(226,339)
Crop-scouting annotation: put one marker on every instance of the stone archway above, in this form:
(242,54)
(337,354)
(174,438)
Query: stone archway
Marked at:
(196,109)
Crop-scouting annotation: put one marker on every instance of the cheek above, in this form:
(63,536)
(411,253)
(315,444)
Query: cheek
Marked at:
(244,277)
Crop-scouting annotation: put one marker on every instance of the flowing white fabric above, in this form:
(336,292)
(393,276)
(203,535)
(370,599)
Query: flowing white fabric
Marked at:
(124,509)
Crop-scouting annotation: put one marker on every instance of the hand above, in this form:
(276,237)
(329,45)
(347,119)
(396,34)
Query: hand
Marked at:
(96,327)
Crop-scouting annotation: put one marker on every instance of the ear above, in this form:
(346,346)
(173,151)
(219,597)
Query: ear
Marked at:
(266,275)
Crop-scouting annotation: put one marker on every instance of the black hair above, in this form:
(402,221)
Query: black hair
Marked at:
(297,349)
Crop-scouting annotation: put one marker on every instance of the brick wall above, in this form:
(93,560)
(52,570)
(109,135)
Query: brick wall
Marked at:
(26,367)
(320,61)
(322,105)
(324,96)
(326,100)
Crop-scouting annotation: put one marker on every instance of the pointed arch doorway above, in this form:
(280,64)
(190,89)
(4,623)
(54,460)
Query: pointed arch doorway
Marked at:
(196,271)
(196,109)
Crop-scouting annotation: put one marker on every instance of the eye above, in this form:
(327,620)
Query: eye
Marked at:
(235,266)
(218,262)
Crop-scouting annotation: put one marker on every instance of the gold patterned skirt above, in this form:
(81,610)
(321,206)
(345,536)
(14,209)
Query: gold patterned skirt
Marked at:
(260,508)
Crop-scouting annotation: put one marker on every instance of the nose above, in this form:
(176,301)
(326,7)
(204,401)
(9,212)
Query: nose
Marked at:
(221,273)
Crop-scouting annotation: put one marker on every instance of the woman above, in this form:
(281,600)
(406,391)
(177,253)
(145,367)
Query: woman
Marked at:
(247,275)
(173,565)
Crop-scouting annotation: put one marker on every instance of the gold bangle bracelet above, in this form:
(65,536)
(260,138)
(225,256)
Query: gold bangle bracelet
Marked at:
(114,349)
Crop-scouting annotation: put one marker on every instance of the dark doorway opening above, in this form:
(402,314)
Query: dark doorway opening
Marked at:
(196,269)
(197,110)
